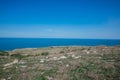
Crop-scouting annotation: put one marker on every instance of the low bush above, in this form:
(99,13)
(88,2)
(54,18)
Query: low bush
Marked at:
(19,56)
(61,51)
(4,53)
(41,78)
(45,53)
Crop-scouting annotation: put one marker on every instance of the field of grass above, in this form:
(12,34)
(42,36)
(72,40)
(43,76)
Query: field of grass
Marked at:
(61,63)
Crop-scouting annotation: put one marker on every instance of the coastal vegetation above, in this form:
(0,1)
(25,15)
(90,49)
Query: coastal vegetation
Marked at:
(45,53)
(3,53)
(61,63)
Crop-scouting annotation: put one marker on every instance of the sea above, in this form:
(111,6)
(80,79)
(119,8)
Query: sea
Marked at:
(18,43)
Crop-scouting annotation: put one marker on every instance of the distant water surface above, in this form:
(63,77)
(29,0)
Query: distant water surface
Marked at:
(15,43)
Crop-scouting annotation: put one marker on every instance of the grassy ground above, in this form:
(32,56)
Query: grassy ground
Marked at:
(61,63)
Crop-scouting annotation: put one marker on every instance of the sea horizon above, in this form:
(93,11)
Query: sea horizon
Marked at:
(60,38)
(18,43)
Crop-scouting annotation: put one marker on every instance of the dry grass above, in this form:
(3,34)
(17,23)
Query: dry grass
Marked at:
(62,63)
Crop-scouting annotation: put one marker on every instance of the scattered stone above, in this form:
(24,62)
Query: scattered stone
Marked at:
(47,57)
(3,79)
(8,64)
(67,65)
(95,52)
(49,78)
(9,78)
(15,61)
(73,56)
(60,64)
(11,63)
(42,60)
(70,53)
(87,52)
(55,58)
(21,62)
(63,57)
(76,57)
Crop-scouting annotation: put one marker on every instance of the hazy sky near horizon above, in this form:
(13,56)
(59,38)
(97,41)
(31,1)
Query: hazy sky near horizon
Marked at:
(60,18)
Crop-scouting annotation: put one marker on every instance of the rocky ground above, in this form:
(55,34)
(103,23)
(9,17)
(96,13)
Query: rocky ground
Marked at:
(61,63)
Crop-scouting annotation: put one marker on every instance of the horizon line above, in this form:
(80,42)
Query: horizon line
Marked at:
(62,38)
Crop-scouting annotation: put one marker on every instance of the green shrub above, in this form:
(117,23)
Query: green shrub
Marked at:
(41,78)
(2,72)
(45,53)
(82,49)
(19,56)
(4,53)
(50,72)
(61,51)
(81,72)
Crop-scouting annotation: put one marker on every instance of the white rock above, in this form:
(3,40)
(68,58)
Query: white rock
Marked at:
(87,52)
(76,57)
(8,64)
(21,62)
(67,65)
(63,57)
(11,63)
(9,78)
(55,58)
(47,57)
(70,53)
(3,79)
(15,61)
(42,60)
(73,56)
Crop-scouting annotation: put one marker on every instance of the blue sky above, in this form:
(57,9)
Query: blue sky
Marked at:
(60,18)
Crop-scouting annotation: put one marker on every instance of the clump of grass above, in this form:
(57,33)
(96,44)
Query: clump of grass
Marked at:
(97,71)
(45,53)
(88,48)
(61,51)
(4,53)
(41,78)
(19,56)
(112,56)
(82,72)
(2,73)
(51,73)
(82,49)
(5,73)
